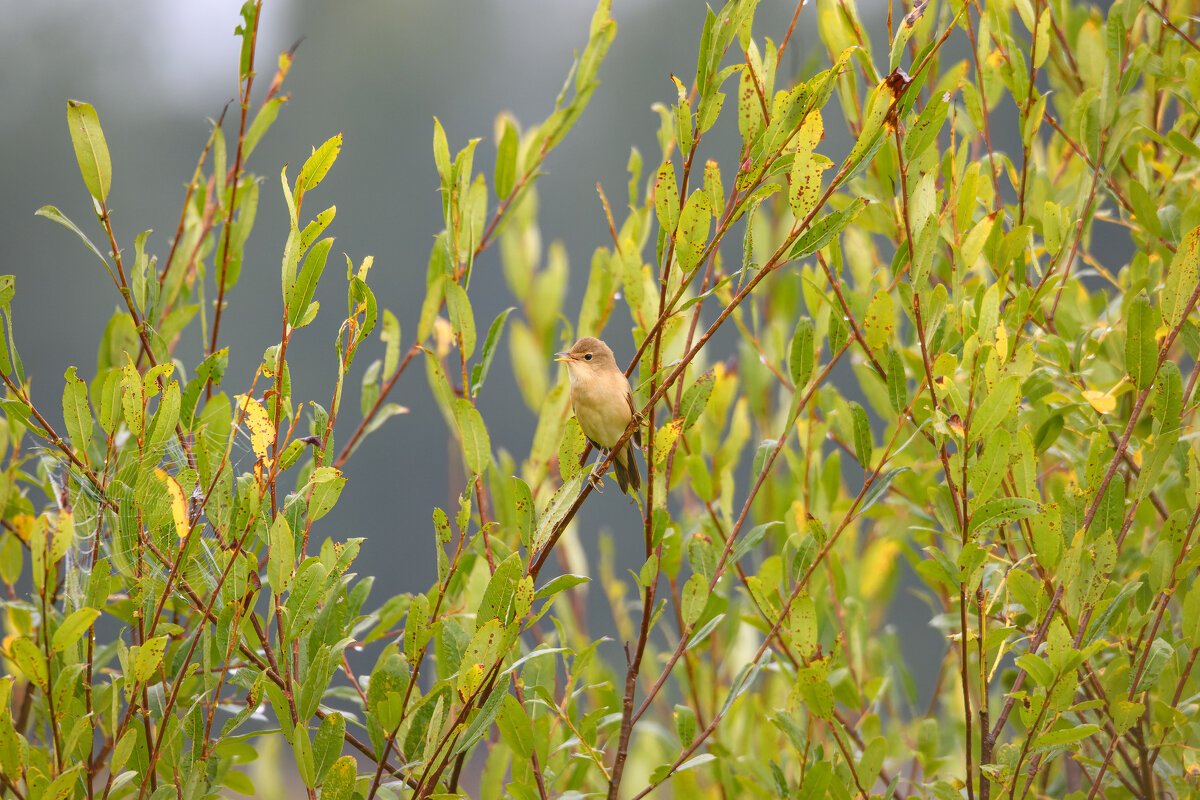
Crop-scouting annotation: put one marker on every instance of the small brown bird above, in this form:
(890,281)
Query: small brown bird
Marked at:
(603,402)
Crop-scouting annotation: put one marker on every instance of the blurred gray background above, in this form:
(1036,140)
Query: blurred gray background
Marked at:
(378,72)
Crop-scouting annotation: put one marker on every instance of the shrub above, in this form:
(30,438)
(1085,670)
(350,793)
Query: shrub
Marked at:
(1013,419)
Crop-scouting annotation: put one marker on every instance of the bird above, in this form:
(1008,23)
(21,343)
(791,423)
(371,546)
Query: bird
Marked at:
(603,403)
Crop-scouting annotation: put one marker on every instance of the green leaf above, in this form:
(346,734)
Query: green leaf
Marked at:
(327,744)
(64,785)
(483,720)
(1125,714)
(110,400)
(924,131)
(53,214)
(298,296)
(318,165)
(862,435)
(262,122)
(903,31)
(506,161)
(306,591)
(695,761)
(802,354)
(751,540)
(829,226)
(1191,616)
(248,31)
(281,555)
(1141,350)
(77,414)
(991,467)
(389,334)
(75,625)
(30,661)
(897,384)
(1182,279)
(685,725)
(559,584)
(462,318)
(695,597)
(524,512)
(692,233)
(879,486)
(498,596)
(1072,733)
(476,446)
(434,293)
(871,134)
(1156,661)
(133,399)
(762,454)
(1003,511)
(695,399)
(992,412)
(839,331)
(441,152)
(1037,668)
(326,484)
(480,371)
(1145,209)
(303,751)
(1168,398)
(560,504)
(1041,43)
(650,569)
(1155,462)
(1102,622)
(162,426)
(91,151)
(703,631)
(570,449)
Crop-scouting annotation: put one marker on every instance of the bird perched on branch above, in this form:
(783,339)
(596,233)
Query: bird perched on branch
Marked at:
(603,403)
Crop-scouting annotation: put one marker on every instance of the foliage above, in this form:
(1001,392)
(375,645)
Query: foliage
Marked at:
(1014,419)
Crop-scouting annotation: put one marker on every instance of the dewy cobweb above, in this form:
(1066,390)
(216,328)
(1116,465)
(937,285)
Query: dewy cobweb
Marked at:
(110,523)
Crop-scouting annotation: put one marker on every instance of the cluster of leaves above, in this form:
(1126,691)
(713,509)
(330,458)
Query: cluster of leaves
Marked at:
(1032,460)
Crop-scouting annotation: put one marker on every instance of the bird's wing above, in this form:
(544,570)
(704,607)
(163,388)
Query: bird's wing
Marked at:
(637,432)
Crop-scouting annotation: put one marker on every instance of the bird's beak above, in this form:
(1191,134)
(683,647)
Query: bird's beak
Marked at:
(563,357)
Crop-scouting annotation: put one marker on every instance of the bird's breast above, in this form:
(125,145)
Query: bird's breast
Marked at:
(603,411)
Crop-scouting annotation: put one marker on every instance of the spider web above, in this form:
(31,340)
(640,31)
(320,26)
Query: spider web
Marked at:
(115,521)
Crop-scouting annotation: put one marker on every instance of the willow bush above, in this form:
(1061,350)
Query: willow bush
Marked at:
(1014,421)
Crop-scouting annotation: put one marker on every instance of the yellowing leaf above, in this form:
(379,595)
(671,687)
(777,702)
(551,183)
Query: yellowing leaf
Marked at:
(1103,402)
(812,130)
(262,433)
(880,320)
(443,336)
(692,232)
(23,527)
(178,503)
(664,439)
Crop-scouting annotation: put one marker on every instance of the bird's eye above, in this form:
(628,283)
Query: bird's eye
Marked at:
(588,357)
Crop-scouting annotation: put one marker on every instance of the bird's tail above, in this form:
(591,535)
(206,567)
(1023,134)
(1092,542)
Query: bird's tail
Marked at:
(625,465)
